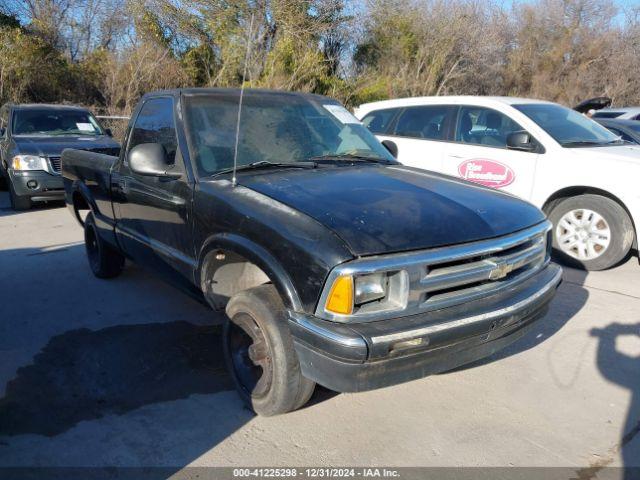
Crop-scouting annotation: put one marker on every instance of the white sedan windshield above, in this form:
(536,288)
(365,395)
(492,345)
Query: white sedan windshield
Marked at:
(568,127)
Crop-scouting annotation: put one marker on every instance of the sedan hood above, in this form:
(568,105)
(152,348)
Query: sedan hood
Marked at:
(615,153)
(379,209)
(53,146)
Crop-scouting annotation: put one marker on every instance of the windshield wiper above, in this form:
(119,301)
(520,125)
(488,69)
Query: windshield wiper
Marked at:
(349,157)
(266,164)
(583,143)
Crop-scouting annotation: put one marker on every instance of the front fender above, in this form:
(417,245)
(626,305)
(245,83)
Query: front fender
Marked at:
(257,255)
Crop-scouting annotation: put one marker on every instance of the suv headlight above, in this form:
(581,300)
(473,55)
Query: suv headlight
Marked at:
(368,293)
(29,162)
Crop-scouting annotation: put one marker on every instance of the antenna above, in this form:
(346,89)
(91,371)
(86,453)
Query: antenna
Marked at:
(244,74)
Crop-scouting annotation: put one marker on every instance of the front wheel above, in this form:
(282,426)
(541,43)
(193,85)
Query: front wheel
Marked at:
(259,353)
(591,232)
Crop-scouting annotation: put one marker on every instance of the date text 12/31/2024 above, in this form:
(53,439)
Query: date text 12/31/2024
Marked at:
(315,472)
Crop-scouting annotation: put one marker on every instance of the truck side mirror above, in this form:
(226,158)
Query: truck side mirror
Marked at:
(150,160)
(392,147)
(521,141)
(108,132)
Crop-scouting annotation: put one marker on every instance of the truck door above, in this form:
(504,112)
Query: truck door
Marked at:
(154,213)
(479,152)
(420,133)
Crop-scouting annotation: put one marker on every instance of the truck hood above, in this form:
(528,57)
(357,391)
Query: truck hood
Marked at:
(383,209)
(53,146)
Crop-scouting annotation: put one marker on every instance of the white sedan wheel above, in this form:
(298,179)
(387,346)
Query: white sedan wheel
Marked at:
(583,234)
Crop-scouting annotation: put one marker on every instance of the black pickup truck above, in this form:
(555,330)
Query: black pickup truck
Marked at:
(334,263)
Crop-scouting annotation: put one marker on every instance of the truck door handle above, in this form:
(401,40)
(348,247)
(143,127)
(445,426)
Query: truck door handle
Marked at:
(455,156)
(123,184)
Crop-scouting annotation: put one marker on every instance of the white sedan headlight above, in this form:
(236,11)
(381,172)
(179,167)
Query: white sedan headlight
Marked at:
(29,162)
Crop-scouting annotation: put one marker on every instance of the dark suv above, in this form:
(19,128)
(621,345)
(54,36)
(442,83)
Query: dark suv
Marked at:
(32,138)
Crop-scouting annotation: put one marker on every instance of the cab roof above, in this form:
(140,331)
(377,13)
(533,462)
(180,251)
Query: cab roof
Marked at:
(46,106)
(233,92)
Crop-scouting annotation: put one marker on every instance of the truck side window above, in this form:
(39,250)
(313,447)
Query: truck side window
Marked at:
(378,121)
(484,126)
(423,122)
(155,124)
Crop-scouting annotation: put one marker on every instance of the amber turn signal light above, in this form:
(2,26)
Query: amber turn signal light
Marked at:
(341,296)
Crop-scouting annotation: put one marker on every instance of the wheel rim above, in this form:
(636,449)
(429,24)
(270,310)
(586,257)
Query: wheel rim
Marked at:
(250,355)
(93,250)
(583,234)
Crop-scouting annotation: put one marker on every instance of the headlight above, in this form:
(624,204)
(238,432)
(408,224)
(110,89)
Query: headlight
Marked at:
(368,293)
(29,162)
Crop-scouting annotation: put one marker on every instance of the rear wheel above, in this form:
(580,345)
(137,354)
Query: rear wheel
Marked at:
(104,260)
(591,232)
(18,202)
(259,352)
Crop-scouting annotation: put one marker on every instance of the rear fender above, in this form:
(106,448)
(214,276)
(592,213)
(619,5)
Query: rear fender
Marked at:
(105,225)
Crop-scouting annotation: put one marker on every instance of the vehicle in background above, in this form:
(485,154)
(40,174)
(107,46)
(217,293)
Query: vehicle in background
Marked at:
(583,176)
(626,113)
(590,106)
(32,138)
(334,263)
(627,130)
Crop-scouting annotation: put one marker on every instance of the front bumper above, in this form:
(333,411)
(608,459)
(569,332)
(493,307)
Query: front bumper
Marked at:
(365,356)
(49,187)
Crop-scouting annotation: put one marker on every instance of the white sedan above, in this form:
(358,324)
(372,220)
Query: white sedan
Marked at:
(583,176)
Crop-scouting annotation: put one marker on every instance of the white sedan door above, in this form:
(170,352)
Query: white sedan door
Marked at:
(419,132)
(479,152)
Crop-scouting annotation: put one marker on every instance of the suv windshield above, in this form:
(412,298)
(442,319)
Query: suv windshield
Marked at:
(48,121)
(568,127)
(274,127)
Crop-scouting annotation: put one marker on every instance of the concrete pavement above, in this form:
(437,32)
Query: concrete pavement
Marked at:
(127,372)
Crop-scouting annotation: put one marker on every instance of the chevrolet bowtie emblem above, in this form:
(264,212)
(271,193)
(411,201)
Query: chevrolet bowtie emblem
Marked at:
(500,271)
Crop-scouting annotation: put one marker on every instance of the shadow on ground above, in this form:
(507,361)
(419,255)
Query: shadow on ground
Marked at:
(84,374)
(623,369)
(126,372)
(6,209)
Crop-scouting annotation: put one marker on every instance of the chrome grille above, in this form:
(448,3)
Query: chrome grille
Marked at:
(447,276)
(55,164)
(455,282)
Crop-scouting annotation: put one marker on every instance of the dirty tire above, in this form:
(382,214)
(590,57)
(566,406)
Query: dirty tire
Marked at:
(105,262)
(259,352)
(18,202)
(619,224)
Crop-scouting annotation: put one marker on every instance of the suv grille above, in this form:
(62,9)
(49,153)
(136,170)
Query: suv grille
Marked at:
(55,164)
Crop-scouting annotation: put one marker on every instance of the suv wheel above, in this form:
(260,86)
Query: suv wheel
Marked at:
(591,232)
(18,202)
(105,262)
(259,353)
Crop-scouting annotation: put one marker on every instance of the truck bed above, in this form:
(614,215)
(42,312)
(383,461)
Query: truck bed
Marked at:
(89,174)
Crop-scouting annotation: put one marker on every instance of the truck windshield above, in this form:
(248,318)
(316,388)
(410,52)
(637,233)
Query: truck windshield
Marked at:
(47,121)
(568,127)
(275,127)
